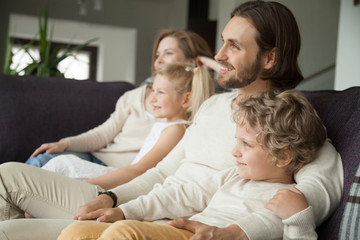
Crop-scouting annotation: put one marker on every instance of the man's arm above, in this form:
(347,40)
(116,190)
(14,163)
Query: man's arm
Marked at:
(321,181)
(261,224)
(138,186)
(177,200)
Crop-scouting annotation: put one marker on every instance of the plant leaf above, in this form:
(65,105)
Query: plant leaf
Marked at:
(8,54)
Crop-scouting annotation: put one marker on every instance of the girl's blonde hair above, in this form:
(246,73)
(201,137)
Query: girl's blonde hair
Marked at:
(288,126)
(186,78)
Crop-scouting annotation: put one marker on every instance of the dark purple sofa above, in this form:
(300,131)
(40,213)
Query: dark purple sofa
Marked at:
(36,110)
(340,112)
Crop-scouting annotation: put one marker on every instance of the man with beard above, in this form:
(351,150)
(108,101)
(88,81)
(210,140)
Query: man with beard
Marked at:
(261,43)
(260,50)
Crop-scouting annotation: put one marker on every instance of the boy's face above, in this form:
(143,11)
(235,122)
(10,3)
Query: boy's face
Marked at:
(252,159)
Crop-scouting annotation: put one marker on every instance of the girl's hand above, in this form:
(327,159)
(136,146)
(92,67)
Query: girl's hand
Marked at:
(208,62)
(287,202)
(54,147)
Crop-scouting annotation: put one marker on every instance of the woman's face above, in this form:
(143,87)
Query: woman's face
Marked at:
(168,52)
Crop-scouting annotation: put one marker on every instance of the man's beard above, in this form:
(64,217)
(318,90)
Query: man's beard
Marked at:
(242,78)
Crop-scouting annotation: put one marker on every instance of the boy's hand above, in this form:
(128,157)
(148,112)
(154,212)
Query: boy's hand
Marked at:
(205,232)
(287,202)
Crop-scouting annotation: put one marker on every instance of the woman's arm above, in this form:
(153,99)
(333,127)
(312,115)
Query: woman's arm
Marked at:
(168,139)
(103,134)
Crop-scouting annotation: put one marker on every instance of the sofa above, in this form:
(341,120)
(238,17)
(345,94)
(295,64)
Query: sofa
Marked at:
(36,110)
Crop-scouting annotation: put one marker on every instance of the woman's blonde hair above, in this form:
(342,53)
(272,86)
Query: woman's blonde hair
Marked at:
(186,78)
(288,125)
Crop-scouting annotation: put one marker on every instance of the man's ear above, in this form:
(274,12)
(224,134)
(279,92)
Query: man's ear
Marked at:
(270,58)
(186,100)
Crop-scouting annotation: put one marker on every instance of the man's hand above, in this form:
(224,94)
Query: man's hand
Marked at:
(287,202)
(104,215)
(205,232)
(101,201)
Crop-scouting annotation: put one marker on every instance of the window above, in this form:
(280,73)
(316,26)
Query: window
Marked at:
(81,66)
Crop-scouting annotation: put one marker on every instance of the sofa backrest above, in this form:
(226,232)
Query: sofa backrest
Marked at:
(37,110)
(340,112)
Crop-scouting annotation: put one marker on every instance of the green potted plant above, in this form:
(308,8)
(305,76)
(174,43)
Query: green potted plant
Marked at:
(47,64)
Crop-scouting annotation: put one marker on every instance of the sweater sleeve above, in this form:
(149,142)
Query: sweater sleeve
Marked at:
(180,200)
(144,183)
(103,134)
(300,226)
(321,181)
(262,224)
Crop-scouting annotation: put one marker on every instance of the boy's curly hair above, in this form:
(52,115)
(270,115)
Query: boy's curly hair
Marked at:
(287,123)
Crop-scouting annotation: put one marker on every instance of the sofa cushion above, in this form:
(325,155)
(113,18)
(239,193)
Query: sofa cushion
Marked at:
(340,112)
(37,110)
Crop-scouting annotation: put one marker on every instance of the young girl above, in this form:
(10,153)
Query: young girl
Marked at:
(177,93)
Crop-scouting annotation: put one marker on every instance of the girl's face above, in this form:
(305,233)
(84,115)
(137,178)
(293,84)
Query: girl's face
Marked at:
(168,52)
(165,101)
(252,159)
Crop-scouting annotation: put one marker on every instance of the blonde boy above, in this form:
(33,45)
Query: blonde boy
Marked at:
(276,134)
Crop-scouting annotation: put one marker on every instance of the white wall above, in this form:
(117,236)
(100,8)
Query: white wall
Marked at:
(347,72)
(318,24)
(116,45)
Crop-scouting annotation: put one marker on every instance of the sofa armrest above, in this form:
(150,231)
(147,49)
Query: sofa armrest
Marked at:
(340,112)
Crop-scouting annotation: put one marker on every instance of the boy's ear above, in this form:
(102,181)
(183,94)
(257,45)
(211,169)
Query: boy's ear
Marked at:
(186,100)
(286,160)
(270,58)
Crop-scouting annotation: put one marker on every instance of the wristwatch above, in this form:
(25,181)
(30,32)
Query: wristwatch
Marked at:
(110,194)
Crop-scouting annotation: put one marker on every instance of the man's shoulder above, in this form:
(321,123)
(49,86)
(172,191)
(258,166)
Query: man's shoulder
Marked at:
(221,98)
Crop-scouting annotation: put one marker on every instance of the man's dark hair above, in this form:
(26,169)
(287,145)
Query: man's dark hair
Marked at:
(276,29)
